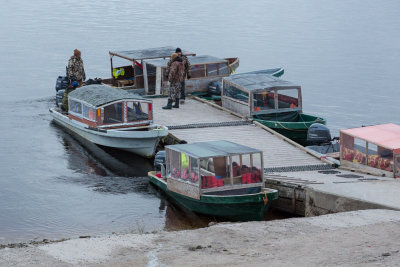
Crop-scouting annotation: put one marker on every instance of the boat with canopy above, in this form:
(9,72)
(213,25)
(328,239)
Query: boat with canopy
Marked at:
(372,149)
(146,70)
(217,178)
(111,117)
(274,102)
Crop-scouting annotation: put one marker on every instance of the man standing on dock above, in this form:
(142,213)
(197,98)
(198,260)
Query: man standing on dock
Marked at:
(175,77)
(186,64)
(75,70)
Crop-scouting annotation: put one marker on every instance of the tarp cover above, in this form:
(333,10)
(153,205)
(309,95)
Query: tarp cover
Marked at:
(385,135)
(259,80)
(194,60)
(213,149)
(292,116)
(100,94)
(157,52)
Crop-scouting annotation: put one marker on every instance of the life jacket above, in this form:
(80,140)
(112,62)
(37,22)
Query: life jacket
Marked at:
(118,72)
(184,160)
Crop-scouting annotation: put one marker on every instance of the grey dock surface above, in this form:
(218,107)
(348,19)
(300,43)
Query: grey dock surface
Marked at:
(307,185)
(189,123)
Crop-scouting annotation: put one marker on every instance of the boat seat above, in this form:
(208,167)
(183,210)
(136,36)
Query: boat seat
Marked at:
(122,83)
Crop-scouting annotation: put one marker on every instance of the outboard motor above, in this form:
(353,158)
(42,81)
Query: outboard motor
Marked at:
(318,134)
(61,83)
(159,160)
(59,97)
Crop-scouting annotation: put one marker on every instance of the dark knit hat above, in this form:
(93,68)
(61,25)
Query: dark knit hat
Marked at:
(178,50)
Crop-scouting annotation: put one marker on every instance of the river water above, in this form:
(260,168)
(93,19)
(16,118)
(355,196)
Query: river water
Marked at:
(345,54)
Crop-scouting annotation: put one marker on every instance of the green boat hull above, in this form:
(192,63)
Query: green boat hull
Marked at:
(295,130)
(239,207)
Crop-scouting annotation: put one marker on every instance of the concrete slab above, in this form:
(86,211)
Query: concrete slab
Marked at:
(312,193)
(359,238)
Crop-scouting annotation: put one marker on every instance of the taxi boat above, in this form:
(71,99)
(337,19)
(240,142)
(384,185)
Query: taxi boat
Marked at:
(217,178)
(111,117)
(146,70)
(271,101)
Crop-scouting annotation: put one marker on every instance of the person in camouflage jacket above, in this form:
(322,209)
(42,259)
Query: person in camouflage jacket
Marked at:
(186,64)
(75,70)
(175,77)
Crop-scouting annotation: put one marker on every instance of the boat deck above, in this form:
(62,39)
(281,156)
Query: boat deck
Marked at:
(196,121)
(307,185)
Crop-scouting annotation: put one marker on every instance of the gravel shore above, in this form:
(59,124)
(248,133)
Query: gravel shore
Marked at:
(369,237)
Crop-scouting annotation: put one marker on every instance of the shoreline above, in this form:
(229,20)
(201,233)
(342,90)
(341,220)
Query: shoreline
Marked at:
(366,237)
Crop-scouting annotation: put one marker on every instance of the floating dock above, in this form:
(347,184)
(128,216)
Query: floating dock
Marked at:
(307,185)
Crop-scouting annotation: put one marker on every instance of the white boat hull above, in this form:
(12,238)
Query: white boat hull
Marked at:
(142,143)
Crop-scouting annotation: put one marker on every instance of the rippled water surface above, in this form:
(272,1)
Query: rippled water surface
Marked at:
(345,54)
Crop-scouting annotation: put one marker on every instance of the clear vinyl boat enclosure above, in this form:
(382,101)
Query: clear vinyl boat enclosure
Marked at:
(103,107)
(372,149)
(270,101)
(134,73)
(204,69)
(252,94)
(217,168)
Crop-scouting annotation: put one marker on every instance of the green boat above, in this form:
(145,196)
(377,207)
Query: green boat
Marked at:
(218,178)
(295,127)
(273,102)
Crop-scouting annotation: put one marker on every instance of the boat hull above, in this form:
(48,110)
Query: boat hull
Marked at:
(238,207)
(142,143)
(295,130)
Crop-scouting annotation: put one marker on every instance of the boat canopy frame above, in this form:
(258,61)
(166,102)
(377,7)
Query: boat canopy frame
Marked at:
(199,153)
(201,67)
(136,58)
(95,98)
(374,149)
(258,83)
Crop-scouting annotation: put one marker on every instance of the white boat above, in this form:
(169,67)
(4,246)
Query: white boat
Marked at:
(113,118)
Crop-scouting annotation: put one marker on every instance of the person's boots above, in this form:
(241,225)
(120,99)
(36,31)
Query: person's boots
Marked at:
(169,105)
(176,103)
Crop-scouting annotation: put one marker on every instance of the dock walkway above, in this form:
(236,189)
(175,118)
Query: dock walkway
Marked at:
(307,185)
(196,122)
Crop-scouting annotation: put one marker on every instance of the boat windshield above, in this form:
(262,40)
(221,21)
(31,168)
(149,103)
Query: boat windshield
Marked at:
(75,107)
(217,171)
(246,169)
(288,98)
(264,101)
(137,111)
(181,166)
(236,93)
(113,113)
(217,69)
(197,71)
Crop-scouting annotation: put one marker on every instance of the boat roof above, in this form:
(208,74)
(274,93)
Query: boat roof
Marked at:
(148,53)
(385,135)
(101,94)
(213,149)
(252,81)
(194,60)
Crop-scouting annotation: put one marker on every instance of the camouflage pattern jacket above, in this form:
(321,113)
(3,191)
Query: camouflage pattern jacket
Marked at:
(186,64)
(176,71)
(75,70)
